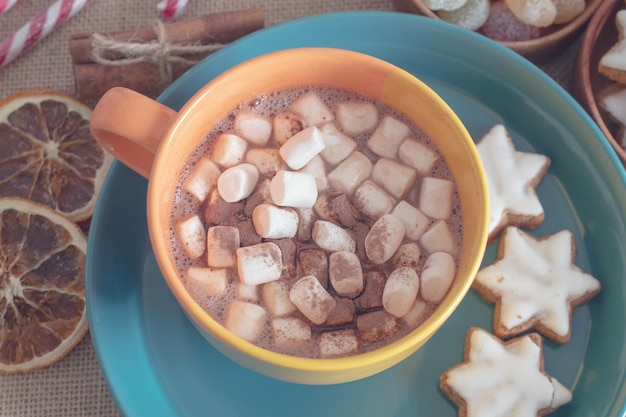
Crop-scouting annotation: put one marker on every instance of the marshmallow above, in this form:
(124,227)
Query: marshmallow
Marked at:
(273,222)
(350,173)
(439,238)
(245,320)
(394,177)
(372,295)
(260,263)
(418,156)
(260,195)
(372,201)
(192,236)
(335,206)
(306,219)
(312,109)
(400,291)
(222,243)
(288,331)
(343,313)
(415,222)
(338,145)
(247,292)
(228,150)
(266,160)
(302,147)
(212,281)
(408,254)
(437,276)
(276,298)
(238,182)
(317,169)
(356,117)
(254,128)
(417,314)
(387,138)
(338,343)
(314,261)
(384,238)
(435,198)
(293,189)
(376,325)
(331,237)
(202,179)
(286,125)
(345,273)
(312,299)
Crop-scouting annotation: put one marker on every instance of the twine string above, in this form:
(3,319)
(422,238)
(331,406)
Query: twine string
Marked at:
(160,51)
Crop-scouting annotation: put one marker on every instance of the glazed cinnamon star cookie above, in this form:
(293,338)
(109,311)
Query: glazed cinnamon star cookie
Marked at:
(511,178)
(501,379)
(535,284)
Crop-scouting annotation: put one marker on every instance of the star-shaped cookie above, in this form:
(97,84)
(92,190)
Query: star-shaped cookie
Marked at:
(511,178)
(613,63)
(535,284)
(501,379)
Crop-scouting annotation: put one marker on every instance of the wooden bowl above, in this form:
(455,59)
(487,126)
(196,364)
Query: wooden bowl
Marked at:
(600,36)
(536,50)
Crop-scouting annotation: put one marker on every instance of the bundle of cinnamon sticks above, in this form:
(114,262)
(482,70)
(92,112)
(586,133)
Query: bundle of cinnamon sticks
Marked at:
(97,69)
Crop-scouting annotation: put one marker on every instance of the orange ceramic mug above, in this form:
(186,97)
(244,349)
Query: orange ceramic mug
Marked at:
(156,141)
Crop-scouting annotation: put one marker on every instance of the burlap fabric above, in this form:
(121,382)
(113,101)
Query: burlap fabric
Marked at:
(74,386)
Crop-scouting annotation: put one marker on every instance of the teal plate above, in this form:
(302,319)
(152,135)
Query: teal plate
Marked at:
(156,363)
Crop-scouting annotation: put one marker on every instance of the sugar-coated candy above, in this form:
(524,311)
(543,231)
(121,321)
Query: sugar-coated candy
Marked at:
(540,13)
(472,15)
(503,26)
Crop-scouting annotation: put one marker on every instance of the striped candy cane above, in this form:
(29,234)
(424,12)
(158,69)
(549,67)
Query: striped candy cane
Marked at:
(5,5)
(38,28)
(171,9)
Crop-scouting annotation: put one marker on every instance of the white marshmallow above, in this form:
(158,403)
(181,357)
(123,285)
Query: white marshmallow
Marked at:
(238,182)
(388,136)
(338,343)
(202,179)
(317,169)
(192,236)
(293,189)
(418,156)
(286,125)
(245,320)
(306,219)
(222,244)
(260,263)
(384,239)
(417,314)
(228,150)
(400,291)
(394,177)
(276,298)
(357,116)
(415,222)
(266,160)
(408,254)
(212,281)
(338,145)
(437,276)
(302,147)
(435,198)
(289,331)
(312,109)
(331,237)
(372,201)
(254,128)
(439,238)
(247,292)
(312,299)
(345,273)
(350,173)
(272,222)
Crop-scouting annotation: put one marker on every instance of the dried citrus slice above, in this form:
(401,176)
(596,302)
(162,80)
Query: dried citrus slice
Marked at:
(42,291)
(47,153)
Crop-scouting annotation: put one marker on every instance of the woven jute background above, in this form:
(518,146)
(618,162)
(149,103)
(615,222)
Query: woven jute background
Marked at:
(74,386)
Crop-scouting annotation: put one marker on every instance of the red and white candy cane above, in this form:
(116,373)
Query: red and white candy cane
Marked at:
(38,28)
(5,5)
(171,9)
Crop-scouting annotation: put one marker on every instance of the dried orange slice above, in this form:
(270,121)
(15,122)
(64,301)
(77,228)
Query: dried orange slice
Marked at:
(47,153)
(42,291)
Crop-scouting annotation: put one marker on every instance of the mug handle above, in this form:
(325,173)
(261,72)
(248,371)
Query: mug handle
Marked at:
(130,126)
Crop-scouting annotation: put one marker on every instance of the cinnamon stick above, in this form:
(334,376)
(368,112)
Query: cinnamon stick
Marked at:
(221,27)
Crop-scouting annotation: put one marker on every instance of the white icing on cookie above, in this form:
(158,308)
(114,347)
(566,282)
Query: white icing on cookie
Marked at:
(616,56)
(511,178)
(505,379)
(536,279)
(615,104)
